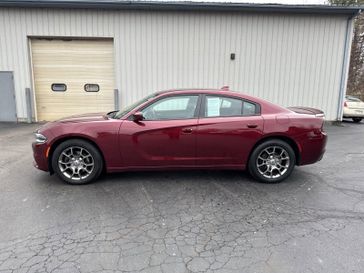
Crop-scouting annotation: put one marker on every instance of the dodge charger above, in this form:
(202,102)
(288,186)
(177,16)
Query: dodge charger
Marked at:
(183,129)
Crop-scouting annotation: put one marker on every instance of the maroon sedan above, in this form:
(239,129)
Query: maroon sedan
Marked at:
(183,129)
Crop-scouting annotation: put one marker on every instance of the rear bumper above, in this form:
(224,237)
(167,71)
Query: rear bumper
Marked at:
(40,156)
(353,113)
(313,149)
(354,116)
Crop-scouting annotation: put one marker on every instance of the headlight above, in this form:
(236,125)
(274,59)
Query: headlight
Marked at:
(39,138)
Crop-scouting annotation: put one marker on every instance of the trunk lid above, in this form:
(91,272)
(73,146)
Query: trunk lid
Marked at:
(307,111)
(355,104)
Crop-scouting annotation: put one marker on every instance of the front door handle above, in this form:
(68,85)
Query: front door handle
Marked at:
(187,130)
(252,125)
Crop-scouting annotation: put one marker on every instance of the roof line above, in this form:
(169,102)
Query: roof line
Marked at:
(184,6)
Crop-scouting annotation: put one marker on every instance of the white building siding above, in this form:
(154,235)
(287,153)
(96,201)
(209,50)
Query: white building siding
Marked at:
(286,59)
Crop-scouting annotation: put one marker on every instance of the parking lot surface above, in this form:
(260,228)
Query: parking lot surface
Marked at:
(190,221)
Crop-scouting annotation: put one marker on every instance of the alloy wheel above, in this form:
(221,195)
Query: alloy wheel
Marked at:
(76,163)
(273,162)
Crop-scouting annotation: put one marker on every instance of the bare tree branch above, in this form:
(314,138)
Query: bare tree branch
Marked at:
(355,85)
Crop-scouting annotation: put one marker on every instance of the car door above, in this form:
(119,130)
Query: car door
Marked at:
(165,137)
(227,130)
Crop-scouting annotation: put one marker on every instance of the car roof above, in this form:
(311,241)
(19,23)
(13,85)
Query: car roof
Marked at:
(190,90)
(210,91)
(353,98)
(199,91)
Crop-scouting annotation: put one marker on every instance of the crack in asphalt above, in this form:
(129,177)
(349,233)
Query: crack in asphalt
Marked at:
(180,222)
(185,239)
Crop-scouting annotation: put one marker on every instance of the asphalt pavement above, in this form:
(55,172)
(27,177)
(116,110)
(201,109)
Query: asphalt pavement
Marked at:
(187,221)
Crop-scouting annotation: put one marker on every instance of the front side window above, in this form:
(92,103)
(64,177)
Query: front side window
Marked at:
(177,107)
(216,106)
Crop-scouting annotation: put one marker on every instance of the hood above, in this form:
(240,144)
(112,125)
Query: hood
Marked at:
(84,118)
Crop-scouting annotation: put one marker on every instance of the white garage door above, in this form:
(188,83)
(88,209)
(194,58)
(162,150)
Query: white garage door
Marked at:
(72,77)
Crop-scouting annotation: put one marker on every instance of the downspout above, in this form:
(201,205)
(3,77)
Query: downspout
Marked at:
(345,66)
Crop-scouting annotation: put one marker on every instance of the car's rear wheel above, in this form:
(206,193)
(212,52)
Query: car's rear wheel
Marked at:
(77,161)
(272,161)
(357,120)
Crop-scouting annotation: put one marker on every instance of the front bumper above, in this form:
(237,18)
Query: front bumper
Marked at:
(40,153)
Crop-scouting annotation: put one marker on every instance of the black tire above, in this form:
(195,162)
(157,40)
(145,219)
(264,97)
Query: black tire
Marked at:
(260,150)
(91,156)
(357,120)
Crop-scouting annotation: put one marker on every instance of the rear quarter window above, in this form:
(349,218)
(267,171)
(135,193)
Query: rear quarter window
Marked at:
(223,106)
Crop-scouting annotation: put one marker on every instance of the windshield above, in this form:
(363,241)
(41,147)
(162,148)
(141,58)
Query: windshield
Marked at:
(127,109)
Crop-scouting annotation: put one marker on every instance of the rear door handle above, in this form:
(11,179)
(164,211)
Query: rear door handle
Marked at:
(187,130)
(252,125)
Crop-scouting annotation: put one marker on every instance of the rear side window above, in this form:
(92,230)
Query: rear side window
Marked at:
(221,106)
(249,109)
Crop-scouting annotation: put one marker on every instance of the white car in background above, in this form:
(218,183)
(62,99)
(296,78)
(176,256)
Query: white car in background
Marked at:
(353,108)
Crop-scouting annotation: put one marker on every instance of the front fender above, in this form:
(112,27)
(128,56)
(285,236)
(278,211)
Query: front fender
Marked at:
(104,135)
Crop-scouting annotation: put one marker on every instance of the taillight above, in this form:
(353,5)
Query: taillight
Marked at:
(345,104)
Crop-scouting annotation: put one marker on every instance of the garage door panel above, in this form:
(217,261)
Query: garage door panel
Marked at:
(80,67)
(73,63)
(97,61)
(67,45)
(75,76)
(47,85)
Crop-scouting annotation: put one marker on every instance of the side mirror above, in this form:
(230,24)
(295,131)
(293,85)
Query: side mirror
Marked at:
(138,116)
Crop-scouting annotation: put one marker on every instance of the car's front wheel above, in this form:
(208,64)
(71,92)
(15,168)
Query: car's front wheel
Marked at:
(77,161)
(357,120)
(272,161)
